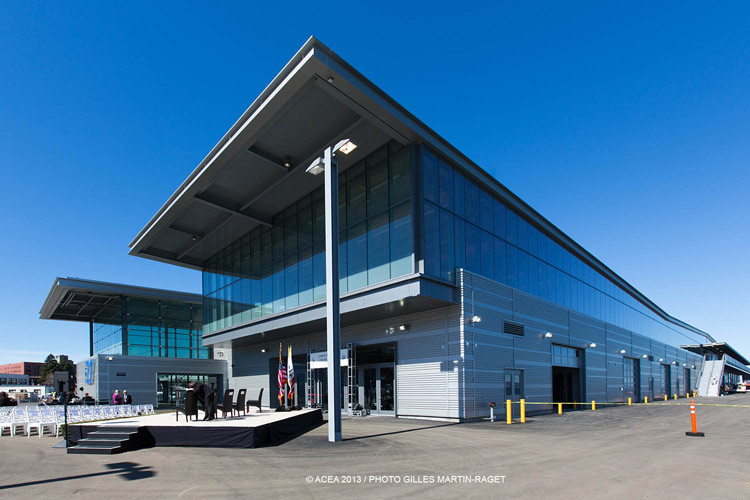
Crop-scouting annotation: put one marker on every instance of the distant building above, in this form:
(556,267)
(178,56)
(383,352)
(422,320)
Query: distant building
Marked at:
(13,379)
(23,368)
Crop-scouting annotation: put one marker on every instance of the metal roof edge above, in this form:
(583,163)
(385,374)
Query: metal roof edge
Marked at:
(62,285)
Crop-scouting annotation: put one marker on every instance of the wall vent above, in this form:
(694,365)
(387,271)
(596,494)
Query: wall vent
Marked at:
(513,328)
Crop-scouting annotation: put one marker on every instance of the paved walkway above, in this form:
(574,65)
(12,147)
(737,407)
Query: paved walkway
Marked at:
(623,452)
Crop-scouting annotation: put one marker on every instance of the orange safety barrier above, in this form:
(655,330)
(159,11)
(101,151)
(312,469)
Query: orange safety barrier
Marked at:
(694,432)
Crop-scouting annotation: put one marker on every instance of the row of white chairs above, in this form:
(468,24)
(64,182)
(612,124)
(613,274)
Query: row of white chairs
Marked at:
(26,419)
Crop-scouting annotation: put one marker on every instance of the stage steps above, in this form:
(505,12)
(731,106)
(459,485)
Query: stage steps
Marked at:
(108,440)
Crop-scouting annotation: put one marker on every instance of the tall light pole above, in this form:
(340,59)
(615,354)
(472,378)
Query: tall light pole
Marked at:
(329,166)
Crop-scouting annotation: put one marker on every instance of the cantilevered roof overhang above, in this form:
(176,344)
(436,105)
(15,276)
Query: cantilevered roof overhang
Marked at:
(718,348)
(74,299)
(316,99)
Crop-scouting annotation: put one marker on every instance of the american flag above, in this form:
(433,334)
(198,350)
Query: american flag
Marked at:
(282,378)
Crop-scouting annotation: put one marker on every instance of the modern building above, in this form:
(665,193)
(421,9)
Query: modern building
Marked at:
(13,379)
(454,291)
(30,369)
(145,340)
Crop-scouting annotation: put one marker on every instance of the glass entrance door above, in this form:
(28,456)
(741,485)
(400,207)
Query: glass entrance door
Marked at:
(377,383)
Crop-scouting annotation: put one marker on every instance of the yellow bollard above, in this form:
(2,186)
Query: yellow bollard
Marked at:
(593,405)
(523,411)
(675,397)
(508,411)
(559,408)
(630,401)
(665,397)
(645,400)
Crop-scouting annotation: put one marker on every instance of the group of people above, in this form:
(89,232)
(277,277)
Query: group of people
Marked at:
(6,400)
(122,399)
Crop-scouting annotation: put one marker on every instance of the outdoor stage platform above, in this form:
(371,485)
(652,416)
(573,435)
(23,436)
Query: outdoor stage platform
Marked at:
(251,431)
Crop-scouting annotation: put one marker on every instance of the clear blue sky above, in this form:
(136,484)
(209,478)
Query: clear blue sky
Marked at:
(628,126)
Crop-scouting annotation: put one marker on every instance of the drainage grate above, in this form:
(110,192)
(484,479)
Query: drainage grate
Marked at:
(513,328)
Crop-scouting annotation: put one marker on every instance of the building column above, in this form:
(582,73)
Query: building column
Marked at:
(91,337)
(124,319)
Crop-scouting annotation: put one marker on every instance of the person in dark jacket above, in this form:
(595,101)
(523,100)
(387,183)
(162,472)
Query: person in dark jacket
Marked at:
(127,398)
(205,395)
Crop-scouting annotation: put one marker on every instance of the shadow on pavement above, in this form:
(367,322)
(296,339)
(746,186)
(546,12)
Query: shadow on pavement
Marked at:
(401,431)
(127,470)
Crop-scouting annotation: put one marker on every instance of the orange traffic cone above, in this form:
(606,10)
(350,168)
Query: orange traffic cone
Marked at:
(695,432)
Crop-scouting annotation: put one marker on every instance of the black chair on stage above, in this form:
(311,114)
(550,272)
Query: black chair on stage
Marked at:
(239,406)
(189,408)
(226,406)
(254,402)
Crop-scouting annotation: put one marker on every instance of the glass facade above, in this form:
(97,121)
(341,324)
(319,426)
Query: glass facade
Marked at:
(466,227)
(161,329)
(271,270)
(107,338)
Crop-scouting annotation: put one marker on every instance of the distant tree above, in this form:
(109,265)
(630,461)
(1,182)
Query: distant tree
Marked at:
(50,366)
(47,370)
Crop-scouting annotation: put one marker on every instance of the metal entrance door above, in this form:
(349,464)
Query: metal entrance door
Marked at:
(688,384)
(631,383)
(514,389)
(651,388)
(377,388)
(666,380)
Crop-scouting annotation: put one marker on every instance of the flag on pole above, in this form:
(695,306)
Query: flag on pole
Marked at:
(290,374)
(282,378)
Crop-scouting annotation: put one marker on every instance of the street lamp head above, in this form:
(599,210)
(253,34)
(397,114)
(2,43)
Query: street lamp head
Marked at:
(346,146)
(317,167)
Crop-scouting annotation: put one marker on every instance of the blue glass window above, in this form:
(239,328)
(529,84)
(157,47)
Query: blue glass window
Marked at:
(501,264)
(471,201)
(357,256)
(533,241)
(401,240)
(473,243)
(512,266)
(523,271)
(447,238)
(458,193)
(460,239)
(430,176)
(542,273)
(533,276)
(431,240)
(445,183)
(511,227)
(291,282)
(486,211)
(487,254)
(319,272)
(523,234)
(499,218)
(378,249)
(377,183)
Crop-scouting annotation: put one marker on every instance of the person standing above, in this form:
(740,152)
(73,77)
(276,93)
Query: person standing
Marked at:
(205,395)
(116,398)
(127,398)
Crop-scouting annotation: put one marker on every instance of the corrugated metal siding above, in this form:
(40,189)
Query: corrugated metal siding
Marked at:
(448,366)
